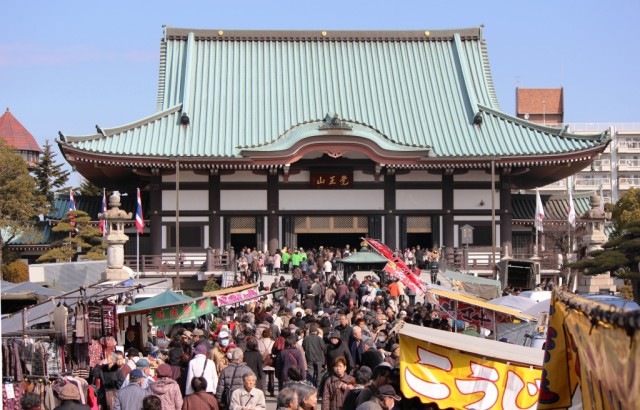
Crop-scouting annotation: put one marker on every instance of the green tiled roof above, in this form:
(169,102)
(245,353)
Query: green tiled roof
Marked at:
(556,206)
(258,90)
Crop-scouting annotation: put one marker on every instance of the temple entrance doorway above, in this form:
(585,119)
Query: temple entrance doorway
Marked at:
(332,240)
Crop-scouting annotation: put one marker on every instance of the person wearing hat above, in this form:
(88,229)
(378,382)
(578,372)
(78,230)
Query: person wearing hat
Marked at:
(337,348)
(70,398)
(186,340)
(220,350)
(198,338)
(131,397)
(384,399)
(145,366)
(166,389)
(202,366)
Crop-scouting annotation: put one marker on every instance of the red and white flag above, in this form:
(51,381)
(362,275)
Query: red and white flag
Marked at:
(139,219)
(539,213)
(104,209)
(72,202)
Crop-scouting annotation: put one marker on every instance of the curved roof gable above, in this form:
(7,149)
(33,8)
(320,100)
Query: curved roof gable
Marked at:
(242,90)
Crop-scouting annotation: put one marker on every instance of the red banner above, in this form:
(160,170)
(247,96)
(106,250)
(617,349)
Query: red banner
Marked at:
(396,266)
(394,270)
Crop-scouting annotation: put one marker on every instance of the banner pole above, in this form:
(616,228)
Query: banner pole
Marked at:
(137,254)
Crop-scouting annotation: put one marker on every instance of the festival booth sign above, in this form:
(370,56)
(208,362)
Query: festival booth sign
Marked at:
(592,356)
(460,371)
(180,313)
(477,311)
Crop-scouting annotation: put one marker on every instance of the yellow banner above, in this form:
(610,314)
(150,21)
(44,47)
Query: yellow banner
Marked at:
(451,378)
(602,360)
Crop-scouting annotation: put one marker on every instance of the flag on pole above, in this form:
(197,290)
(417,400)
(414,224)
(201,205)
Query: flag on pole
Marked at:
(139,219)
(104,209)
(572,211)
(72,203)
(539,213)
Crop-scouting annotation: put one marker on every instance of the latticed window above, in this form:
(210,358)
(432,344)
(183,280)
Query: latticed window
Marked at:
(330,224)
(418,224)
(243,224)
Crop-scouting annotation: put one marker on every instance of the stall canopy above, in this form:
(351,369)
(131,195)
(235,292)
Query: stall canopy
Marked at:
(483,287)
(168,297)
(515,302)
(23,320)
(471,300)
(28,288)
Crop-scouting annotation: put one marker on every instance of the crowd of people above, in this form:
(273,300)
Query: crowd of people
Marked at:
(320,339)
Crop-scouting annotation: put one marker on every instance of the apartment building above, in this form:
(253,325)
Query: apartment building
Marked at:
(615,171)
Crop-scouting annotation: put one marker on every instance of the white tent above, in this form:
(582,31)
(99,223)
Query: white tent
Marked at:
(518,303)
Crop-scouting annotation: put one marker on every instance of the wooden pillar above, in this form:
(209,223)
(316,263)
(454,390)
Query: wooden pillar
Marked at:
(155,211)
(390,209)
(273,205)
(447,218)
(506,214)
(215,241)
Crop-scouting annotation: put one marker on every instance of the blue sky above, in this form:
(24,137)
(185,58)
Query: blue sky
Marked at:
(70,65)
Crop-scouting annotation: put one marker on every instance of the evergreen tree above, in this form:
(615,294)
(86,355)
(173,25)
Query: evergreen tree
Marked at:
(80,234)
(89,189)
(620,255)
(20,203)
(49,174)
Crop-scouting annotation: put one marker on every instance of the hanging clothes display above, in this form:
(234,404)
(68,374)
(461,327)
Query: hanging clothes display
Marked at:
(11,395)
(95,353)
(60,316)
(109,319)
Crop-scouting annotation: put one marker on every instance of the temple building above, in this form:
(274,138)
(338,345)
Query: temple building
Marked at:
(306,138)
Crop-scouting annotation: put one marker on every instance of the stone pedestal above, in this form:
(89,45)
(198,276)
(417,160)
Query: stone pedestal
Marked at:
(594,220)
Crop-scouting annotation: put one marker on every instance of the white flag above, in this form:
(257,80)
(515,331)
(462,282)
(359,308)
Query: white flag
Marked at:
(539,213)
(572,211)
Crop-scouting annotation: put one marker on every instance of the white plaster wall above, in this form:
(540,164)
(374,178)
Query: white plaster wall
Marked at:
(418,176)
(303,176)
(470,199)
(186,219)
(243,200)
(189,200)
(243,176)
(474,218)
(186,176)
(418,199)
(476,175)
(359,176)
(331,199)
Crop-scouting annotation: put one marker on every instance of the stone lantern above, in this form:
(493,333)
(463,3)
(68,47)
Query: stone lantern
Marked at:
(594,220)
(115,239)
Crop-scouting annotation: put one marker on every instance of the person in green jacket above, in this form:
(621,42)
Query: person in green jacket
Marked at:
(297,257)
(286,257)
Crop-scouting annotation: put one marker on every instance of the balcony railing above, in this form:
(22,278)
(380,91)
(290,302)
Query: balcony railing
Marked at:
(595,126)
(190,264)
